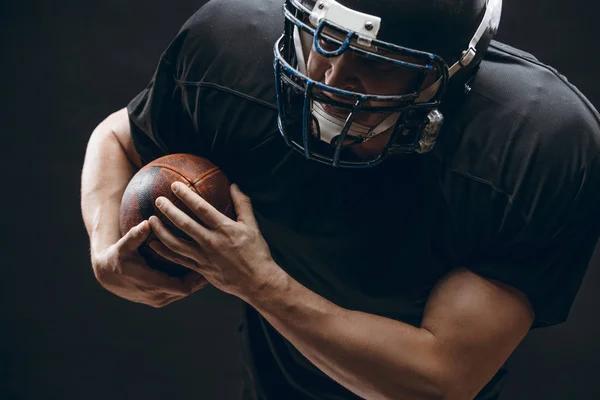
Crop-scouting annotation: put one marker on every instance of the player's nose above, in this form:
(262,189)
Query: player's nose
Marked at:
(342,72)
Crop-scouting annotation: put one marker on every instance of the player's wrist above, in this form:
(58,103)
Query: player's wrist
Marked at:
(103,236)
(270,286)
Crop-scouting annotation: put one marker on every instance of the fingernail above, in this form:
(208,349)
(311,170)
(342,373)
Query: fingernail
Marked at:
(159,202)
(175,187)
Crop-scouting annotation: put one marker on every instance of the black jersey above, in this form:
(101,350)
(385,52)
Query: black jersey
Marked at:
(511,190)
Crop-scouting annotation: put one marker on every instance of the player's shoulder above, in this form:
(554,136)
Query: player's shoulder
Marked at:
(233,23)
(517,81)
(519,105)
(525,133)
(228,44)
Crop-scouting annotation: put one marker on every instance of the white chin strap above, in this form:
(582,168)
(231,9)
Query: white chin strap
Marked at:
(331,126)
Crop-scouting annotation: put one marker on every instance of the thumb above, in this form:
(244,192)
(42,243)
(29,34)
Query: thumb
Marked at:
(134,238)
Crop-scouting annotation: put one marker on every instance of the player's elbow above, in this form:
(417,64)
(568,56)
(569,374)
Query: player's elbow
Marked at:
(440,376)
(440,388)
(432,378)
(449,386)
(432,381)
(439,380)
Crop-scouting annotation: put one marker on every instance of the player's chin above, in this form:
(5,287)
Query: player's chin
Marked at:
(363,118)
(351,151)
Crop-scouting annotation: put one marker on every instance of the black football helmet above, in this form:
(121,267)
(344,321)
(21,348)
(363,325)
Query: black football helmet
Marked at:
(434,38)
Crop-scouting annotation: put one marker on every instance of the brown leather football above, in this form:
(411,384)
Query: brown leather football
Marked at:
(154,180)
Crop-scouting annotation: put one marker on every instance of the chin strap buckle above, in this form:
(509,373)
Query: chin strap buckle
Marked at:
(467,57)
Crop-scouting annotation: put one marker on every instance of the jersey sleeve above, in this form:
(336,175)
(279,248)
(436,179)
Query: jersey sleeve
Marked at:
(163,117)
(159,120)
(524,188)
(549,274)
(212,93)
(545,250)
(150,116)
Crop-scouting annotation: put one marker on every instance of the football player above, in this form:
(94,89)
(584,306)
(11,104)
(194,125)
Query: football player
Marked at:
(412,197)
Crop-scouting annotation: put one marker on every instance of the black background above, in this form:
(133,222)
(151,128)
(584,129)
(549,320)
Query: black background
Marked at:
(65,65)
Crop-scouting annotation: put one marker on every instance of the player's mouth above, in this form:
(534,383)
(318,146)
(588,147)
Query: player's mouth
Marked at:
(341,112)
(336,111)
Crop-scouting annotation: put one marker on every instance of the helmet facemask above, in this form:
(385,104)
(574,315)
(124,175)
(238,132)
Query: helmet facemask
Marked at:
(327,123)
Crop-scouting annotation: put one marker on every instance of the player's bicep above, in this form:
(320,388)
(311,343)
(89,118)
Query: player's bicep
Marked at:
(118,123)
(477,323)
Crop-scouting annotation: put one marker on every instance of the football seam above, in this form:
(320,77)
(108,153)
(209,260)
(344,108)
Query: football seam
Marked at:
(176,170)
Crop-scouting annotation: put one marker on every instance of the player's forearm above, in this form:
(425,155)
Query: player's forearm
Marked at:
(106,173)
(372,356)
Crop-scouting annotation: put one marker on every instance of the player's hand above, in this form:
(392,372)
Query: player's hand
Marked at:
(121,270)
(232,255)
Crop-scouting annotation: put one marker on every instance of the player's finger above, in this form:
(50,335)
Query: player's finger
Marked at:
(134,238)
(175,244)
(211,217)
(170,255)
(196,281)
(160,282)
(161,300)
(168,300)
(243,206)
(181,220)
